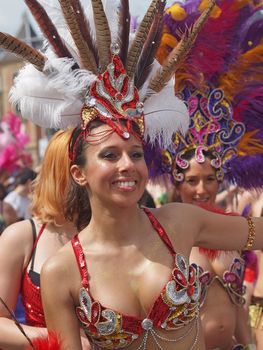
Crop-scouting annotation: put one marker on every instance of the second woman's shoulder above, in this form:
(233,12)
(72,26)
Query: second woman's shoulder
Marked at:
(19,233)
(18,238)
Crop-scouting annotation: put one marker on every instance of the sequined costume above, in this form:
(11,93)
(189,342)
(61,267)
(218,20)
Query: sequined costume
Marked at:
(31,288)
(176,306)
(231,281)
(256,312)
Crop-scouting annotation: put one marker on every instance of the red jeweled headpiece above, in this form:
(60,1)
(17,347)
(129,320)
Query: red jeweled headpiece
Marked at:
(114,78)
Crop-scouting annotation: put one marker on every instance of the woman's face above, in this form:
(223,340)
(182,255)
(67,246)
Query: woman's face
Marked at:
(200,185)
(115,169)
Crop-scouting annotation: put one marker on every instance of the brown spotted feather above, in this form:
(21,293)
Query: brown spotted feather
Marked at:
(103,35)
(48,28)
(140,38)
(177,56)
(21,49)
(86,56)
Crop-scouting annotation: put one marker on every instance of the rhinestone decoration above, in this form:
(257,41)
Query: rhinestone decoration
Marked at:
(115,48)
(147,324)
(85,303)
(109,326)
(126,134)
(139,107)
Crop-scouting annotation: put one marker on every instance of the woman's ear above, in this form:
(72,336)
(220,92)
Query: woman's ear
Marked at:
(78,175)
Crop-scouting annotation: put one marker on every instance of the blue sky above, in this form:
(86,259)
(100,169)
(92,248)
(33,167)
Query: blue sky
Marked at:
(11,12)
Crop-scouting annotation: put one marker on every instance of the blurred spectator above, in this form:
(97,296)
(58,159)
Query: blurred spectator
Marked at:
(2,196)
(16,204)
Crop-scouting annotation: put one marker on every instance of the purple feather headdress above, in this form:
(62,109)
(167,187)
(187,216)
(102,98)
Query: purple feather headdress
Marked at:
(222,83)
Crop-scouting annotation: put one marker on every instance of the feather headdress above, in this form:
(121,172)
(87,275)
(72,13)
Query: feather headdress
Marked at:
(91,69)
(13,155)
(222,82)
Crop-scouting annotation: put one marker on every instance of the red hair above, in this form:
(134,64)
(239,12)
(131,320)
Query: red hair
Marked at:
(52,182)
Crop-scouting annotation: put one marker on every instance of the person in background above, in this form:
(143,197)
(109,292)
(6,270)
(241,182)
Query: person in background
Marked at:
(225,101)
(25,245)
(16,205)
(222,297)
(2,196)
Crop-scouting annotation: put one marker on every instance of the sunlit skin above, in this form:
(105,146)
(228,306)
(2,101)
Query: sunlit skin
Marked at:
(128,263)
(218,314)
(200,185)
(120,170)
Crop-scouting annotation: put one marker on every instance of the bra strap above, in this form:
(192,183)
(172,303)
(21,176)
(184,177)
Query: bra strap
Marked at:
(35,241)
(80,257)
(160,230)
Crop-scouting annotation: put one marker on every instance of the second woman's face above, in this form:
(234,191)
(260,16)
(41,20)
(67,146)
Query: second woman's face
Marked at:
(200,185)
(116,170)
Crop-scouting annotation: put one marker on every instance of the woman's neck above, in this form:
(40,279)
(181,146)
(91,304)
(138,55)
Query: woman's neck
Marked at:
(116,225)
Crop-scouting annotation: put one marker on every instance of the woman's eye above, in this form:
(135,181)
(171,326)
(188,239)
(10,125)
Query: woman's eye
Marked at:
(109,155)
(191,181)
(211,179)
(137,155)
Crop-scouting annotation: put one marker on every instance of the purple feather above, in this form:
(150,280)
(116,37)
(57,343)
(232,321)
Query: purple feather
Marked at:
(252,31)
(246,172)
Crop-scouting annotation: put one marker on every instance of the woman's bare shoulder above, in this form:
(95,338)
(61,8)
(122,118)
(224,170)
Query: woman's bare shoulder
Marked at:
(61,262)
(19,234)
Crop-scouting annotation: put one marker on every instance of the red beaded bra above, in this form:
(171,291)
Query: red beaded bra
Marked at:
(176,306)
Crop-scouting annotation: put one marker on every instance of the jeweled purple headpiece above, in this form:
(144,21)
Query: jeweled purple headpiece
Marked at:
(212,129)
(222,82)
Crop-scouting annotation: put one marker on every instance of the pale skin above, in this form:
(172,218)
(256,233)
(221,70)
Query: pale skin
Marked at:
(127,261)
(219,315)
(15,250)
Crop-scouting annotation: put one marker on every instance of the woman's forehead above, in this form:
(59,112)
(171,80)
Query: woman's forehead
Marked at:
(103,136)
(200,168)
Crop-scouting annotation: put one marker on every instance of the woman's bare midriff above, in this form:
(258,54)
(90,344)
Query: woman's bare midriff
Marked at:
(218,319)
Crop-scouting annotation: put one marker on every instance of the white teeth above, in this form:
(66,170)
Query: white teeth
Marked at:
(126,183)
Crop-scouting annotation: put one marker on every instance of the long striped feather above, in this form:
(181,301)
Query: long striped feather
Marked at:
(140,38)
(179,53)
(85,28)
(23,50)
(103,34)
(48,29)
(144,65)
(124,29)
(86,56)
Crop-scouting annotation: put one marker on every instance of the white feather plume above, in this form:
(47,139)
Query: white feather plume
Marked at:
(54,100)
(164,115)
(144,89)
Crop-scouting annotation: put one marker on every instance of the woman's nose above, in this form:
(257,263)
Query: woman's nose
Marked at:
(125,163)
(200,188)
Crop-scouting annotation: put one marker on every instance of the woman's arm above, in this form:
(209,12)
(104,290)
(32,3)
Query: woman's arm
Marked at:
(224,232)
(13,339)
(59,308)
(15,247)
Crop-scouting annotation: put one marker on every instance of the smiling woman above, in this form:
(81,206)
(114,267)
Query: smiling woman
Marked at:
(125,279)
